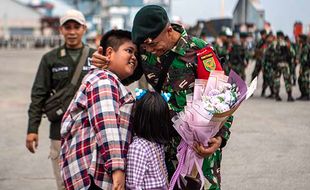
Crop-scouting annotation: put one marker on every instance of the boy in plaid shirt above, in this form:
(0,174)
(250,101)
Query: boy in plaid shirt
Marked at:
(96,127)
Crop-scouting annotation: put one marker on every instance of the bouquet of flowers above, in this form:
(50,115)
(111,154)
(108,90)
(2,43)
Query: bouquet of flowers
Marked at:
(207,109)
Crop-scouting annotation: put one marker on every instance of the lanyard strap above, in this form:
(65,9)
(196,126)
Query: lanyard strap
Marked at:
(79,67)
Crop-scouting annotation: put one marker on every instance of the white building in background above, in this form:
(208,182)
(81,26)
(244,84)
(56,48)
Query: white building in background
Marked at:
(248,15)
(18,19)
(120,13)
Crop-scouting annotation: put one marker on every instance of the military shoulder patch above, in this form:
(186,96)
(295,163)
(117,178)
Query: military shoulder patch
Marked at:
(208,62)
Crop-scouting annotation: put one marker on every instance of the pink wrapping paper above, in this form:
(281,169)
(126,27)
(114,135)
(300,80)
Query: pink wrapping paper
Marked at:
(195,124)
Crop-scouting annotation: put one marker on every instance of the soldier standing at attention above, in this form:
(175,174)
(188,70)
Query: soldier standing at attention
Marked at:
(292,59)
(221,48)
(167,46)
(282,68)
(304,70)
(269,64)
(237,57)
(259,49)
(54,74)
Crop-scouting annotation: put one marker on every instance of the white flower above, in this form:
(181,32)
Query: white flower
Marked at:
(221,99)
(214,92)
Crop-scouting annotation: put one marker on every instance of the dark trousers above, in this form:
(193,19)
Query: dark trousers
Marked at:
(93,186)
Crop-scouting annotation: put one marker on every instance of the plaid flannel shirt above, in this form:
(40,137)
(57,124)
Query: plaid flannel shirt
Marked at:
(144,170)
(96,131)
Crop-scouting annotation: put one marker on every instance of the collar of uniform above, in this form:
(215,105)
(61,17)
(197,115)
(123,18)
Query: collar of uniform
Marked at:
(182,44)
(62,52)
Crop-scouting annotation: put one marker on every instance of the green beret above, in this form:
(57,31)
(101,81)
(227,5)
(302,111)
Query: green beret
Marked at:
(149,22)
(303,37)
(280,34)
(222,33)
(243,34)
(262,32)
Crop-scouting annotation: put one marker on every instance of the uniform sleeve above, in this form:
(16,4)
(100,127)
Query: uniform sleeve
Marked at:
(103,110)
(40,92)
(199,42)
(136,167)
(225,131)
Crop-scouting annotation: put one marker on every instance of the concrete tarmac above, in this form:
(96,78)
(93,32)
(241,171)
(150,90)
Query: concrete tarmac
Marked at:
(269,147)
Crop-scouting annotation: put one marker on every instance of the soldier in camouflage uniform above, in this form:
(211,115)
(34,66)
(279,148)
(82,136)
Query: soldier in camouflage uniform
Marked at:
(237,57)
(221,47)
(292,59)
(158,38)
(260,46)
(268,65)
(304,70)
(282,68)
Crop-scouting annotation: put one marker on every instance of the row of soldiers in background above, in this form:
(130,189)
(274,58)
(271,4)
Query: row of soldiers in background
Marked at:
(274,56)
(25,42)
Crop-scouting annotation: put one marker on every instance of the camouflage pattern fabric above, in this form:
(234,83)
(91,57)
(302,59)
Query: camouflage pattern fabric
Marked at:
(268,67)
(180,82)
(223,52)
(304,71)
(258,57)
(237,60)
(282,54)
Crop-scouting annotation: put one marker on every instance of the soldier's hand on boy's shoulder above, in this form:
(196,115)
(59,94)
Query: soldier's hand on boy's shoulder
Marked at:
(118,178)
(99,60)
(214,144)
(32,142)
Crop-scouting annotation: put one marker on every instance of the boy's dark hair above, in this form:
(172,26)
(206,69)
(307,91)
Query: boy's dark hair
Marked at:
(114,39)
(151,118)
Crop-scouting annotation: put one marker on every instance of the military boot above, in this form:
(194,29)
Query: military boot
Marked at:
(302,97)
(263,92)
(278,98)
(289,97)
(271,96)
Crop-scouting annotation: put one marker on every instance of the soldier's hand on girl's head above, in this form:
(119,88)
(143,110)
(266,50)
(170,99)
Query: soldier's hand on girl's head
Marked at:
(99,60)
(203,152)
(32,142)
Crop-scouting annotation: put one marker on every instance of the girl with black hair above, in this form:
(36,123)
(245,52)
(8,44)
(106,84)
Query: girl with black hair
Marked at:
(146,167)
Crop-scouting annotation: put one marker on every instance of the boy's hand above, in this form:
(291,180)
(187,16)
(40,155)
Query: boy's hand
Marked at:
(118,177)
(99,60)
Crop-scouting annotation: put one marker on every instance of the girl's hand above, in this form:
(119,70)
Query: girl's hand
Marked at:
(99,60)
(203,152)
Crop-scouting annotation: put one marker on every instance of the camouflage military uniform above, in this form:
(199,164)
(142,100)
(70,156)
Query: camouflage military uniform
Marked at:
(179,82)
(292,62)
(55,71)
(237,60)
(304,71)
(268,68)
(282,67)
(258,57)
(223,53)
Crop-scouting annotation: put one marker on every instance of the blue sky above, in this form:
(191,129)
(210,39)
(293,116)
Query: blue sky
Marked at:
(280,13)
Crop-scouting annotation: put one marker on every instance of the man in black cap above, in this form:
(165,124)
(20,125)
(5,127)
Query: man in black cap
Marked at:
(170,61)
